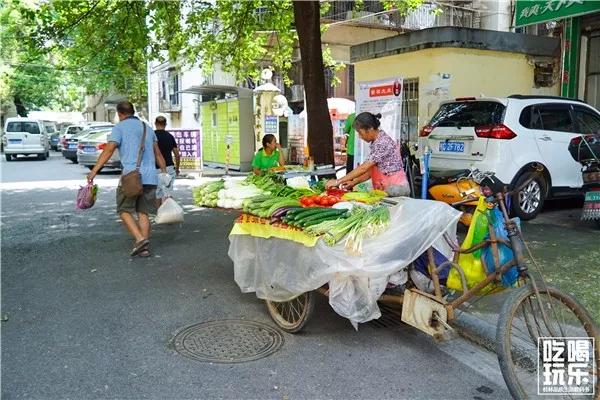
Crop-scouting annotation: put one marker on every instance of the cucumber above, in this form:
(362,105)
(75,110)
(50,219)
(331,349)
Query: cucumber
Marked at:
(304,214)
(320,218)
(318,211)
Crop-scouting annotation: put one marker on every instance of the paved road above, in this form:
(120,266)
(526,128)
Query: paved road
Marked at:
(87,322)
(56,168)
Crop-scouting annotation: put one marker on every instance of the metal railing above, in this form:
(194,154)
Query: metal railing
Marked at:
(428,15)
(170,105)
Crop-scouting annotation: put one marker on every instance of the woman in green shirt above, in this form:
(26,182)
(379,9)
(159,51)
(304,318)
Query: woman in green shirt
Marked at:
(270,156)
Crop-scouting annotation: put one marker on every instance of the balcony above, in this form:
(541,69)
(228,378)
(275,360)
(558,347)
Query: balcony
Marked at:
(172,105)
(428,15)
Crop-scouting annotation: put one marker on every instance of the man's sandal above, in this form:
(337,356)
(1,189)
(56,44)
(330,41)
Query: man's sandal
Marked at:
(144,253)
(139,246)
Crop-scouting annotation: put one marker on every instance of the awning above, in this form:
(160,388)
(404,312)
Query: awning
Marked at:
(218,91)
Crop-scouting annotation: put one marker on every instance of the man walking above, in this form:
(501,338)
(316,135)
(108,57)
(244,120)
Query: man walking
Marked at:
(127,137)
(168,148)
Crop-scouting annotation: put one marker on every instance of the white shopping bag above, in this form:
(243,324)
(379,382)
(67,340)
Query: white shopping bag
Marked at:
(169,212)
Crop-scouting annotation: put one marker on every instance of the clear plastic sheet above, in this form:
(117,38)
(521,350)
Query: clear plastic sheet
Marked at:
(279,270)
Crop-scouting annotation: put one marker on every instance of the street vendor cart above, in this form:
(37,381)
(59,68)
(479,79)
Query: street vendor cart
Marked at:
(430,273)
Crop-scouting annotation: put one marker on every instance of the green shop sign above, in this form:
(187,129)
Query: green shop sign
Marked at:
(535,11)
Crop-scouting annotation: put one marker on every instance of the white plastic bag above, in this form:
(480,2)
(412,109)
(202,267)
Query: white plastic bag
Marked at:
(169,212)
(165,186)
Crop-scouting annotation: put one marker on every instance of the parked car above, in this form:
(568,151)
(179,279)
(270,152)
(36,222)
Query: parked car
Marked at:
(25,136)
(507,136)
(69,144)
(53,134)
(91,146)
(67,133)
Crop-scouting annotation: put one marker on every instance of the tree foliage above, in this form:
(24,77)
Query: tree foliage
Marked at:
(25,76)
(104,45)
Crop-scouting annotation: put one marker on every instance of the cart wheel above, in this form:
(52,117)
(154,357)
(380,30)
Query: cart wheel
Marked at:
(527,316)
(291,316)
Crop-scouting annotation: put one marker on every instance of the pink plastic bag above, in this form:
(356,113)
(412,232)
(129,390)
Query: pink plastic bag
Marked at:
(86,196)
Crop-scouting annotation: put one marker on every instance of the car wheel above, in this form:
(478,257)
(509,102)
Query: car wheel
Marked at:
(74,161)
(528,203)
(47,154)
(9,157)
(42,156)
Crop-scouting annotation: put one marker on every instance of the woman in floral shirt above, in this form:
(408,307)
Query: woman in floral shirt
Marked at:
(384,164)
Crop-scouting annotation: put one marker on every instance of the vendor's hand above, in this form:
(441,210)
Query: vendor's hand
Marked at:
(90,176)
(331,183)
(347,186)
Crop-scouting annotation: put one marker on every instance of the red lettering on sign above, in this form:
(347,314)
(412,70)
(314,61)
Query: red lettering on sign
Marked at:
(377,91)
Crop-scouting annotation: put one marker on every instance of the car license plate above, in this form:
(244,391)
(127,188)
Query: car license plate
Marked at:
(14,141)
(452,147)
(89,149)
(72,146)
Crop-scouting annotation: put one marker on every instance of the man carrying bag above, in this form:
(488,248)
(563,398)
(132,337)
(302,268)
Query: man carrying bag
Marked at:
(136,192)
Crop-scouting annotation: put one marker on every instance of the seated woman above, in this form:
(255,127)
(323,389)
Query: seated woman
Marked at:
(270,156)
(383,165)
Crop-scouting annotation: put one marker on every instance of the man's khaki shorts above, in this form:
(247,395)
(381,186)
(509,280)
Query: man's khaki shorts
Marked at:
(144,203)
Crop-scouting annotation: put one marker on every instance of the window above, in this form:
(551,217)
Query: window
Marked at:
(530,118)
(410,109)
(50,128)
(73,130)
(556,117)
(174,89)
(589,123)
(329,77)
(29,127)
(469,113)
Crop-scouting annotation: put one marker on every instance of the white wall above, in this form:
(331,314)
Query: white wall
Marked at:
(189,116)
(495,14)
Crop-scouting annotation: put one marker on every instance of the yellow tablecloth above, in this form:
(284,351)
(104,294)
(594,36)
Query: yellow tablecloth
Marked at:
(260,227)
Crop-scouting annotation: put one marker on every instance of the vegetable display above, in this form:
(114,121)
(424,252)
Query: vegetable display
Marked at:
(268,197)
(207,195)
(372,197)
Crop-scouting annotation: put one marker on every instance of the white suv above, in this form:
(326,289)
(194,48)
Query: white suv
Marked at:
(25,136)
(508,135)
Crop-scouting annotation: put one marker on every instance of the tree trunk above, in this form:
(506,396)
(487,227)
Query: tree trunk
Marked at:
(307,18)
(21,109)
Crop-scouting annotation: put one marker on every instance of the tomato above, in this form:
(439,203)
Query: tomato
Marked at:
(333,200)
(318,200)
(309,202)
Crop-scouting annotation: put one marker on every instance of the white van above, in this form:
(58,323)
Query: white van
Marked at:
(25,136)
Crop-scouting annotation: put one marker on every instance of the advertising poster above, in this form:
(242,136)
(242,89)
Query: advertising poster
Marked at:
(189,142)
(379,97)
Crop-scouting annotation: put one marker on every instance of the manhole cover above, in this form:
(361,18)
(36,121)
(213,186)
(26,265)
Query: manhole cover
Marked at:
(228,341)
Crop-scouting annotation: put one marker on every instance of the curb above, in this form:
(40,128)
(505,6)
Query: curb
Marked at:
(483,333)
(476,330)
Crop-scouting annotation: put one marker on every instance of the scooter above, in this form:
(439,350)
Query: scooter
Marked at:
(461,189)
(585,149)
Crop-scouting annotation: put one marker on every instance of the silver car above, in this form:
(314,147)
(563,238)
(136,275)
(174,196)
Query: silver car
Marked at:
(91,145)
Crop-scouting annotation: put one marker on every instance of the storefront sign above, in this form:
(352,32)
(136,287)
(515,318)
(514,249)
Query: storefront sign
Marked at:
(189,142)
(384,97)
(529,12)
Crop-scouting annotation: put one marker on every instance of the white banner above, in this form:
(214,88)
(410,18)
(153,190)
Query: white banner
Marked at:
(379,97)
